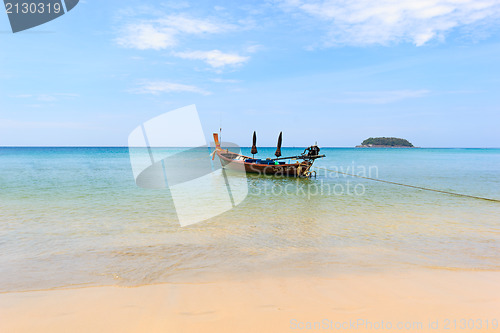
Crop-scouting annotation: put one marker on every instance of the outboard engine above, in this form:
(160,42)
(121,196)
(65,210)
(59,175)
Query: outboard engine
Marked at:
(311,152)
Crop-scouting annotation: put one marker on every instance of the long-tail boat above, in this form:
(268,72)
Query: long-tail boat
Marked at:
(269,166)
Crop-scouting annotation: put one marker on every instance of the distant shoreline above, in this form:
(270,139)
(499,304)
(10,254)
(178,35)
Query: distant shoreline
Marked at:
(382,146)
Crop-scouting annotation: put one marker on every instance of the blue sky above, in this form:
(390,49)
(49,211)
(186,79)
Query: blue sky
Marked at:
(335,72)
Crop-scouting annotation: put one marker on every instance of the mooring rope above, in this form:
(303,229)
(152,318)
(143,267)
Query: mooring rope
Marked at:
(412,186)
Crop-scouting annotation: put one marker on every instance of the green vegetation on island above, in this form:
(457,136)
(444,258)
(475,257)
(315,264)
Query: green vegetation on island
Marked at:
(386,142)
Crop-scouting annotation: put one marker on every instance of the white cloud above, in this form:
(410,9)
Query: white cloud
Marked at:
(380,97)
(67,94)
(363,22)
(219,80)
(145,36)
(254,48)
(176,4)
(23,96)
(162,33)
(214,58)
(17,124)
(184,24)
(46,97)
(158,87)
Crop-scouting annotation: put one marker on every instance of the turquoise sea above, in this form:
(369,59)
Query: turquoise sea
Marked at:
(75,217)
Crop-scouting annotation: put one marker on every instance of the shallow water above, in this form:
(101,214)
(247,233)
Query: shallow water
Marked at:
(74,216)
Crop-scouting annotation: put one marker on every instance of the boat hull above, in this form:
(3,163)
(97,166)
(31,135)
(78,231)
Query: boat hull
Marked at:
(237,162)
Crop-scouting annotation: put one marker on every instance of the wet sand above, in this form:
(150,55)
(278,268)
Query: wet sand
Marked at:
(412,301)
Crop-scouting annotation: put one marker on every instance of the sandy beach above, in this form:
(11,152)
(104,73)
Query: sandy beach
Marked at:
(416,301)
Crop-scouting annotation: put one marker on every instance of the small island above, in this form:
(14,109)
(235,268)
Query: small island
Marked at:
(385,143)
